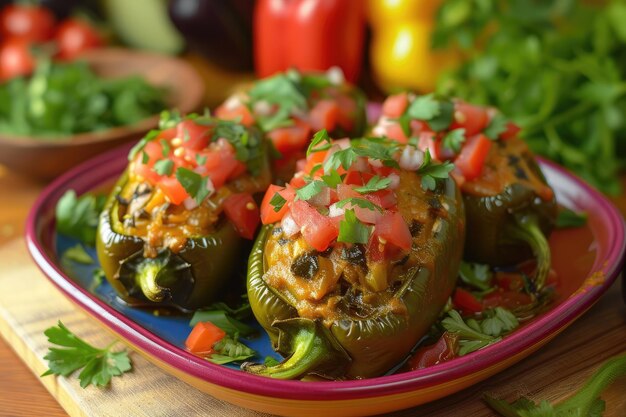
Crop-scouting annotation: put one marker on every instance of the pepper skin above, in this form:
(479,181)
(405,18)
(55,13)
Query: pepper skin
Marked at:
(366,345)
(512,225)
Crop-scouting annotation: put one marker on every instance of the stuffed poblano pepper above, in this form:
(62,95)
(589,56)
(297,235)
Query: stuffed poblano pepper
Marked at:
(510,208)
(174,226)
(357,258)
(290,106)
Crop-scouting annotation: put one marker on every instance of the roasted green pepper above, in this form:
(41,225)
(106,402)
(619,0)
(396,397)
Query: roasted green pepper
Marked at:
(352,305)
(174,224)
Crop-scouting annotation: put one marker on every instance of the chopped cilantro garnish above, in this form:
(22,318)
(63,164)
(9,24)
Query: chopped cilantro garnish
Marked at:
(351,230)
(201,159)
(144,157)
(375,183)
(496,126)
(454,139)
(164,167)
(166,148)
(321,142)
(277,202)
(424,108)
(310,190)
(333,179)
(194,183)
(359,202)
(445,117)
(151,135)
(430,171)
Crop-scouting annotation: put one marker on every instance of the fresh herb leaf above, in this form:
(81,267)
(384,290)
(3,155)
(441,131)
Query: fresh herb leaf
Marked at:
(150,136)
(145,158)
(77,217)
(568,218)
(333,179)
(359,202)
(496,126)
(201,159)
(270,361)
(170,118)
(224,320)
(445,117)
(321,142)
(375,183)
(247,143)
(99,365)
(431,172)
(342,158)
(76,253)
(351,230)
(310,190)
(277,201)
(164,167)
(165,145)
(478,276)
(194,183)
(454,139)
(424,107)
(230,350)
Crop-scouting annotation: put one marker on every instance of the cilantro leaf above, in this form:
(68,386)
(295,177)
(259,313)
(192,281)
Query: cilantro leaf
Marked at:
(310,190)
(77,217)
(359,202)
(568,218)
(163,167)
(194,183)
(78,254)
(454,139)
(247,143)
(99,365)
(166,148)
(375,183)
(478,276)
(201,159)
(444,119)
(224,320)
(277,201)
(424,107)
(333,179)
(342,158)
(351,230)
(496,126)
(282,91)
(320,142)
(230,350)
(145,158)
(431,172)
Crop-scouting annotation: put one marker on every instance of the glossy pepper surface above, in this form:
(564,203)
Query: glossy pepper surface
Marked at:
(309,36)
(341,309)
(510,209)
(161,239)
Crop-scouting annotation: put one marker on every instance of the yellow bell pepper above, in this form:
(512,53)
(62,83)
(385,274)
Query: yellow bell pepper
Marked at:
(401,53)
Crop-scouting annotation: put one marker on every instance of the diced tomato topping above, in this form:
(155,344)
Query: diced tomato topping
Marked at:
(394,131)
(471,118)
(173,190)
(268,215)
(318,230)
(507,299)
(466,302)
(167,134)
(240,113)
(395,105)
(427,141)
(346,191)
(357,178)
(510,280)
(383,198)
(203,337)
(243,213)
(512,130)
(366,215)
(393,229)
(193,135)
(316,158)
(289,139)
(442,351)
(324,115)
(473,155)
(297,182)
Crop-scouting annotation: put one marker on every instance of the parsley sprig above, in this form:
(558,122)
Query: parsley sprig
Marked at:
(98,365)
(431,171)
(77,217)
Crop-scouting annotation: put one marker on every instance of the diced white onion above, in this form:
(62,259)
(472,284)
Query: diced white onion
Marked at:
(233,102)
(360,164)
(395,181)
(190,203)
(380,129)
(262,108)
(411,159)
(335,211)
(289,226)
(209,186)
(376,163)
(335,75)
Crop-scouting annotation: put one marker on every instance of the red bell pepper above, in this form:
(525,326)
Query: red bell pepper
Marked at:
(310,35)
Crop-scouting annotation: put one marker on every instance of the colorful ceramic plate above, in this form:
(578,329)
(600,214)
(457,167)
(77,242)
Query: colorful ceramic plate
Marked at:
(587,259)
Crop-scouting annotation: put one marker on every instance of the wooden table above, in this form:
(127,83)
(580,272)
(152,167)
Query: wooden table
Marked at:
(552,373)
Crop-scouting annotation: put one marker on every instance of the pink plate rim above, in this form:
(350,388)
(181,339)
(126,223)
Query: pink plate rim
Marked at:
(107,166)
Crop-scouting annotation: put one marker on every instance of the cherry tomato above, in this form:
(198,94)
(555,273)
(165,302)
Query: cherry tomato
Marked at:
(16,59)
(30,23)
(75,36)
(243,213)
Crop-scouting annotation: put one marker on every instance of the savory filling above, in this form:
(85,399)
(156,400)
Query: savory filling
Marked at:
(181,181)
(327,262)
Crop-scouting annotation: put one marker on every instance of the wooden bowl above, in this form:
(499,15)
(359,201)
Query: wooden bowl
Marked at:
(44,159)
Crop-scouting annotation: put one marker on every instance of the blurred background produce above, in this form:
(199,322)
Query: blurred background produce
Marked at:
(555,67)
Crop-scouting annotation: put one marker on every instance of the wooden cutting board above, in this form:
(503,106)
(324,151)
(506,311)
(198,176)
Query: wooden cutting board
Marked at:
(29,303)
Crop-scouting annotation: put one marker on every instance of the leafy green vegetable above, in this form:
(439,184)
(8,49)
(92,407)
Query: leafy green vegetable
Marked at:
(78,254)
(62,99)
(375,183)
(556,68)
(194,183)
(497,126)
(424,108)
(568,218)
(99,365)
(230,350)
(359,202)
(164,166)
(310,190)
(454,139)
(321,141)
(478,276)
(431,171)
(77,217)
(474,334)
(333,179)
(351,230)
(277,202)
(585,402)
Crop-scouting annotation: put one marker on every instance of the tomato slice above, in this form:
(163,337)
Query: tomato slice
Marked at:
(393,229)
(203,337)
(466,302)
(173,190)
(444,350)
(243,213)
(289,139)
(395,105)
(471,118)
(268,215)
(324,115)
(194,136)
(318,230)
(473,155)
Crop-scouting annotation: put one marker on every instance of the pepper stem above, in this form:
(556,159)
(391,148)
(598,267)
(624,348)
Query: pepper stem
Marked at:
(527,229)
(310,349)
